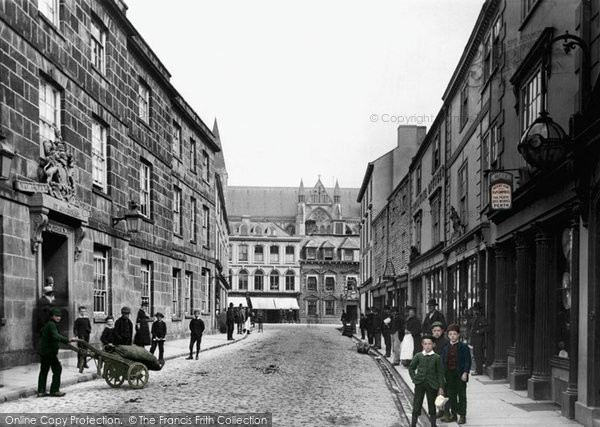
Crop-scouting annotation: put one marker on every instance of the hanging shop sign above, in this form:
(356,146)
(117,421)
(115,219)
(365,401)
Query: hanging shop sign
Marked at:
(501,188)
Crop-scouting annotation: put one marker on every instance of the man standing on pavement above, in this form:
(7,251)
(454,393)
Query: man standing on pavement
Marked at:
(479,327)
(413,326)
(49,352)
(397,333)
(370,335)
(363,325)
(377,324)
(196,331)
(124,328)
(385,330)
(434,315)
(241,318)
(230,321)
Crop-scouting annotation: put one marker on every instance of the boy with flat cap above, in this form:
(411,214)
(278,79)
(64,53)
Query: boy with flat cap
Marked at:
(456,361)
(124,328)
(49,352)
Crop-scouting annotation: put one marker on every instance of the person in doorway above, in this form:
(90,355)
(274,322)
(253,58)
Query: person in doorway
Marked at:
(108,334)
(82,328)
(124,328)
(196,331)
(142,331)
(413,327)
(433,315)
(363,325)
(479,327)
(49,351)
(230,321)
(456,362)
(159,333)
(427,374)
(385,330)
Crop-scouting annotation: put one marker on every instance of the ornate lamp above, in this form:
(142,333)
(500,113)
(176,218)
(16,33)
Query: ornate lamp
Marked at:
(6,156)
(544,144)
(132,217)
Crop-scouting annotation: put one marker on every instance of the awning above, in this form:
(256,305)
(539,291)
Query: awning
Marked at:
(262,303)
(237,301)
(286,303)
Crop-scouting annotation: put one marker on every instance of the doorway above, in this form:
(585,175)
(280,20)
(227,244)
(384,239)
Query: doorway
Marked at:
(55,263)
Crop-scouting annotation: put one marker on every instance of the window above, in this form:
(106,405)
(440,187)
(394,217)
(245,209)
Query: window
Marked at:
(49,104)
(311,283)
(496,45)
(348,255)
(177,210)
(328,254)
(448,126)
(243,253)
(527,6)
(311,253)
(194,222)
(532,101)
(289,254)
(194,156)
(329,283)
(258,253)
(463,186)
(435,154)
(339,228)
(435,219)
(175,309)
(274,254)
(259,280)
(351,284)
(146,279)
(145,200)
(418,223)
(205,165)
(487,57)
(176,140)
(49,8)
(188,293)
(290,281)
(495,140)
(274,280)
(100,282)
(486,147)
(143,101)
(311,308)
(418,179)
(98,41)
(205,226)
(243,280)
(99,154)
(230,253)
(464,105)
(205,291)
(329,308)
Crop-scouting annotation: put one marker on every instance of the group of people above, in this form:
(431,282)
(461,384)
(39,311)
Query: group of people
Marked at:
(438,363)
(244,318)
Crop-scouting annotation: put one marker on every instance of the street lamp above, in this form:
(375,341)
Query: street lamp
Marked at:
(132,218)
(544,144)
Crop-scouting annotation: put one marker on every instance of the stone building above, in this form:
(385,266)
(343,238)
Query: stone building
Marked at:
(269,229)
(111,187)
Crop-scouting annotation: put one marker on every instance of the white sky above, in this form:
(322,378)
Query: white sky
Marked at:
(293,83)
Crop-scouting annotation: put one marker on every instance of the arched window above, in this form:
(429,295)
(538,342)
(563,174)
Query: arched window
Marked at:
(243,280)
(274,279)
(290,281)
(244,230)
(259,279)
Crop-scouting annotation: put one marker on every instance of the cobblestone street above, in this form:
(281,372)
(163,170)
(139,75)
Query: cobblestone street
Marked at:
(309,376)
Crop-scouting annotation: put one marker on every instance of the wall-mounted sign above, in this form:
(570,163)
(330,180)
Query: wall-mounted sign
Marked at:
(501,186)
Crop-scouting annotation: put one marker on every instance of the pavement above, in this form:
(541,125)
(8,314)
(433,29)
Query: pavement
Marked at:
(493,403)
(21,381)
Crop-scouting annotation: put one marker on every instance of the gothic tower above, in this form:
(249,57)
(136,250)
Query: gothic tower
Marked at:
(301,210)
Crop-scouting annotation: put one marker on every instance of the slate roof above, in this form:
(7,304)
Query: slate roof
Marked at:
(279,202)
(330,241)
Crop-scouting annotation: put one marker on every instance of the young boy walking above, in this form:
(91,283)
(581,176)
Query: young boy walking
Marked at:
(456,362)
(82,328)
(426,372)
(196,331)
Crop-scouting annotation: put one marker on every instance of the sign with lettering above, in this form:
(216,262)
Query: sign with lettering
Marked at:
(501,191)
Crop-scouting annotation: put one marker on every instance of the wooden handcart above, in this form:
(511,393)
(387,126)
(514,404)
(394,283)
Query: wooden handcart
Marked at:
(112,367)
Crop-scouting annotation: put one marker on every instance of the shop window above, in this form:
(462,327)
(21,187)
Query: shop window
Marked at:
(563,300)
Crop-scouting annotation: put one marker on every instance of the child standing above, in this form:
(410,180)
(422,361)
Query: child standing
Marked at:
(196,331)
(82,328)
(426,372)
(108,334)
(456,362)
(159,332)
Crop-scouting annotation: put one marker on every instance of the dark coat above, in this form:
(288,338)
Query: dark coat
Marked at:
(159,330)
(440,343)
(142,331)
(123,331)
(82,328)
(397,326)
(363,323)
(436,316)
(196,327)
(479,327)
(413,325)
(231,317)
(377,322)
(464,358)
(108,336)
(51,338)
(42,314)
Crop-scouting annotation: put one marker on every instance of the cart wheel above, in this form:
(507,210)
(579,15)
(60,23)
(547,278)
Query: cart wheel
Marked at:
(137,375)
(113,376)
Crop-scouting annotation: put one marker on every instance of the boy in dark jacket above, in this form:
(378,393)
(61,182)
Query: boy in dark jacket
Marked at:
(124,328)
(108,334)
(49,352)
(428,379)
(456,362)
(82,328)
(159,332)
(196,331)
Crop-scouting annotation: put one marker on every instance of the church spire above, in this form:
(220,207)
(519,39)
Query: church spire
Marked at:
(337,195)
(301,197)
